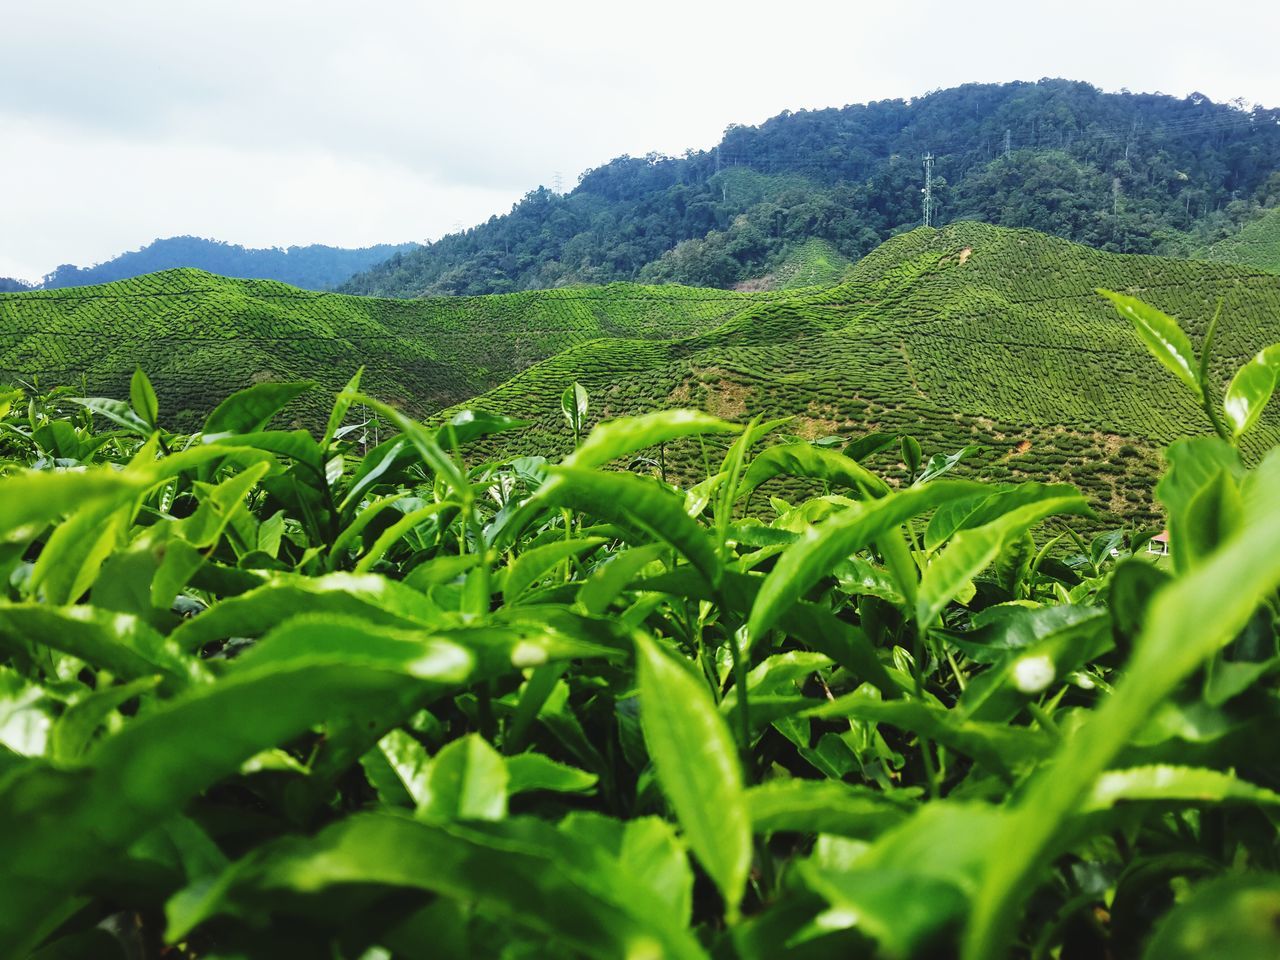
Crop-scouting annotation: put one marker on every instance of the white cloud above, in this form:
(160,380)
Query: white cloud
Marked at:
(284,121)
(85,196)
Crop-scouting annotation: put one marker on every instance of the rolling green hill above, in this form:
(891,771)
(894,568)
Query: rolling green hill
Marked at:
(1256,245)
(201,337)
(969,334)
(966,335)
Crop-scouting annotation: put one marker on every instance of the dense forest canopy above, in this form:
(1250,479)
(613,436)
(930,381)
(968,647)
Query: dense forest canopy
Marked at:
(1124,172)
(313,267)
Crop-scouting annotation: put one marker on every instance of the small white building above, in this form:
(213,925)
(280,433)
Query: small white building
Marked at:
(1159,544)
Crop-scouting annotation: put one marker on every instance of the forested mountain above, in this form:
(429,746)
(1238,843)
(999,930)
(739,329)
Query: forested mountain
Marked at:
(10,285)
(1123,172)
(313,267)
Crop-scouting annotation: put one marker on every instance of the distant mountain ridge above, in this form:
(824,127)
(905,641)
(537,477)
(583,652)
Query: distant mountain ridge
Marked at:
(312,267)
(1121,172)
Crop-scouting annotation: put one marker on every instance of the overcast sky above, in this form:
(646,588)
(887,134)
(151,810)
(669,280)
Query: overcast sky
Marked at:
(277,122)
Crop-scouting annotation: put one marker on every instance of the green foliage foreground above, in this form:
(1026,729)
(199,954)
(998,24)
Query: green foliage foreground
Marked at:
(273,694)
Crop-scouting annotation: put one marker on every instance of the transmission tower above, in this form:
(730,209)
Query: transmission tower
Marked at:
(928,189)
(1008,135)
(557,184)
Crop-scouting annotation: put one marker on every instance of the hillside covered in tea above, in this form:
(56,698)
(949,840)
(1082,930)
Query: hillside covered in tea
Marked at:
(202,337)
(1256,245)
(967,335)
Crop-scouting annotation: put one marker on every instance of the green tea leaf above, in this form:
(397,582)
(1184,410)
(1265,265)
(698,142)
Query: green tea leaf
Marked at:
(913,884)
(641,503)
(573,404)
(251,409)
(409,763)
(143,397)
(1250,389)
(75,552)
(817,552)
(806,460)
(1037,653)
(118,642)
(369,596)
(74,730)
(697,765)
(523,872)
(869,444)
(1002,749)
(467,425)
(823,806)
(971,551)
(1194,464)
(1165,783)
(29,501)
(467,780)
(627,435)
(940,464)
(1232,916)
(62,829)
(533,565)
(398,530)
(532,771)
(1212,516)
(612,577)
(911,454)
(341,405)
(118,412)
(1175,640)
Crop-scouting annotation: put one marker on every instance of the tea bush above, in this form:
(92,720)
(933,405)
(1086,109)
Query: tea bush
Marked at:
(268,692)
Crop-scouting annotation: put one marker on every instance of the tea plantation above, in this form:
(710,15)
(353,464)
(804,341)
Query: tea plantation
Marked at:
(277,693)
(812,263)
(968,335)
(1256,245)
(202,337)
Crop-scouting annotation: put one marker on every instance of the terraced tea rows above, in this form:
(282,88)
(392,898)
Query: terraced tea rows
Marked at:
(969,335)
(1256,245)
(202,337)
(813,263)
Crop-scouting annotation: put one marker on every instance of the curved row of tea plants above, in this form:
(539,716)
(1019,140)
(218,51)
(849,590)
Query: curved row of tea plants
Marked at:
(264,694)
